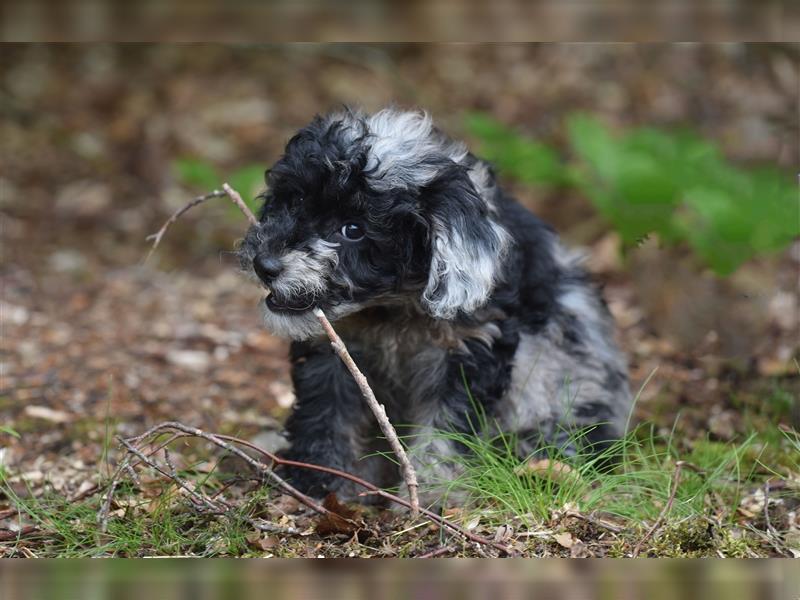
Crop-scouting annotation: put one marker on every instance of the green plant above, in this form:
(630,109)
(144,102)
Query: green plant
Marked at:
(646,181)
(8,431)
(204,177)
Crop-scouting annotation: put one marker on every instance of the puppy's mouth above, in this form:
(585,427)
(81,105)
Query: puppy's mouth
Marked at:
(287,306)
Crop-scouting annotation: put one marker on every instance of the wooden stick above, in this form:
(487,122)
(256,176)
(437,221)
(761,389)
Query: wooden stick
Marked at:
(437,552)
(237,200)
(226,190)
(409,475)
(202,502)
(156,237)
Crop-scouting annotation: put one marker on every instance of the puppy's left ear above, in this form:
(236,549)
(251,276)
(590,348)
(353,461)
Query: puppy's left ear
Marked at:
(467,246)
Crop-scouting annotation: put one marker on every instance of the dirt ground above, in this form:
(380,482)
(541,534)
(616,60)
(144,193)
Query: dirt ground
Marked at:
(93,338)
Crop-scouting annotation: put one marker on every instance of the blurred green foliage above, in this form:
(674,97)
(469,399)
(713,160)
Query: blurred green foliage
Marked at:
(8,431)
(645,181)
(525,159)
(203,176)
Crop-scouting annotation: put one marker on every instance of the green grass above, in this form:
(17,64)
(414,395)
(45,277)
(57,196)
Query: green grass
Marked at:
(635,489)
(630,484)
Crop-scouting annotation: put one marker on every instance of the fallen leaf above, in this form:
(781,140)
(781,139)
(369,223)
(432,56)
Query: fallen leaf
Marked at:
(503,533)
(285,505)
(195,360)
(259,541)
(579,550)
(565,540)
(48,414)
(341,519)
(546,468)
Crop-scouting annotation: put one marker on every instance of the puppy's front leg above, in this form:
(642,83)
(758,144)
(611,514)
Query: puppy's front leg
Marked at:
(461,392)
(327,426)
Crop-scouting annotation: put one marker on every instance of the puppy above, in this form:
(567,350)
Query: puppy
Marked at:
(462,308)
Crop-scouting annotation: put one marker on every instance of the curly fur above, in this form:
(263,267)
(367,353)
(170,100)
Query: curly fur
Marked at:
(456,301)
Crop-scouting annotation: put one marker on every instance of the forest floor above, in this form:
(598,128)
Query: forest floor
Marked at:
(97,344)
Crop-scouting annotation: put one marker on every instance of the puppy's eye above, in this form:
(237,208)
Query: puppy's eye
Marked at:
(352,232)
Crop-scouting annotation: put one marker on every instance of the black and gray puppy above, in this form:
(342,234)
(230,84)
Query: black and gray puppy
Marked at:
(460,306)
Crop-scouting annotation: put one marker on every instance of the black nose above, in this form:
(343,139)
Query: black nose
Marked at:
(267,267)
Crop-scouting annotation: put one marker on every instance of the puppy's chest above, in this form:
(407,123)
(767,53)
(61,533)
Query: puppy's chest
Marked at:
(413,360)
(405,358)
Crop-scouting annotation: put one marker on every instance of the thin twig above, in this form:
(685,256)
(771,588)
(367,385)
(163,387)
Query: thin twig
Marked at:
(8,535)
(409,475)
(156,237)
(219,440)
(200,498)
(201,501)
(226,190)
(237,200)
(772,534)
(126,467)
(436,552)
(676,477)
(105,509)
(767,521)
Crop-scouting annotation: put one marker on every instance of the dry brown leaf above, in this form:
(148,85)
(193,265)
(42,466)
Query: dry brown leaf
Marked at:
(259,541)
(503,533)
(579,550)
(341,519)
(546,468)
(285,505)
(565,539)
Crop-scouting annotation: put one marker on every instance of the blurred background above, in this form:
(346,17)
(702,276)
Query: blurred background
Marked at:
(391,20)
(100,143)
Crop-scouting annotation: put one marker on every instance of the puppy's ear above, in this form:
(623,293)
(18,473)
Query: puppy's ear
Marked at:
(467,246)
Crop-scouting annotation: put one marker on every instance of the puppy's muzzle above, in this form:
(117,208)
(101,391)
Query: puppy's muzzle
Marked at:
(267,267)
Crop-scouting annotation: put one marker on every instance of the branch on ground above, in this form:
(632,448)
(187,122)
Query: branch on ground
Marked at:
(137,456)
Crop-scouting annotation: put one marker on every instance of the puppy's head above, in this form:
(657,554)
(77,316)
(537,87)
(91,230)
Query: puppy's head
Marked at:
(367,210)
